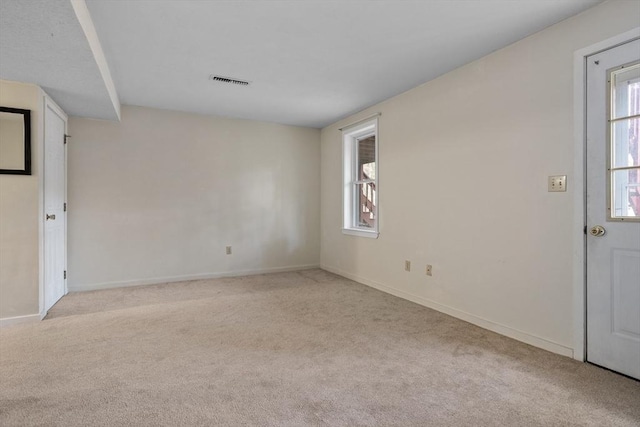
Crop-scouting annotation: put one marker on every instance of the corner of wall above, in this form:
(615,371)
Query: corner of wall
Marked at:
(20,209)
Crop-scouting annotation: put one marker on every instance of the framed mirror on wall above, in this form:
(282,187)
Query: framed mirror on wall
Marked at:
(15,141)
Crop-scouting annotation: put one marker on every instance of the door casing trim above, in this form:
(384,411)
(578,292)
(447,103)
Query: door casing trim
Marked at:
(580,199)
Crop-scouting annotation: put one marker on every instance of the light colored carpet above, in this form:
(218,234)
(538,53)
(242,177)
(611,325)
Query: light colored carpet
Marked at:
(290,349)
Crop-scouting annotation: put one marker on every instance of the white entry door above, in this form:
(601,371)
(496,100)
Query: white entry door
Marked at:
(613,209)
(55,124)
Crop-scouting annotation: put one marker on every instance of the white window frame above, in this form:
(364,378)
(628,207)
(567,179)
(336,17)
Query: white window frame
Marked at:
(350,200)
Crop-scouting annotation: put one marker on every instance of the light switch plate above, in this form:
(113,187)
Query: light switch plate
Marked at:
(558,183)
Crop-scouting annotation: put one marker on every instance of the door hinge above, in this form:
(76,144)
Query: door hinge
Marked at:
(585,229)
(65,274)
(65,207)
(66,137)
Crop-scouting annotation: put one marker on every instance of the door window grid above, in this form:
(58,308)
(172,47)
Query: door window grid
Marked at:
(624,147)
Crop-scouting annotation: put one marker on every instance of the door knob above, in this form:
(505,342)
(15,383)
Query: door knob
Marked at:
(51,217)
(597,231)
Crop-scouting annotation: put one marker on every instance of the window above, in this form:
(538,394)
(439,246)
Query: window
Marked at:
(360,179)
(624,144)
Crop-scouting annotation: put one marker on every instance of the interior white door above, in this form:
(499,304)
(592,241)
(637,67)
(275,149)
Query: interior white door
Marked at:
(613,209)
(55,123)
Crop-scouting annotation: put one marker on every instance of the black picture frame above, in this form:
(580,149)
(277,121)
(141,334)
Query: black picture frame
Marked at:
(26,114)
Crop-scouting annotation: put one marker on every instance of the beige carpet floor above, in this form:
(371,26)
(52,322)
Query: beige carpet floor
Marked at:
(293,349)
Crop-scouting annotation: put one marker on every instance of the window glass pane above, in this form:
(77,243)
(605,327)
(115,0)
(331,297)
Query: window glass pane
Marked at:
(365,205)
(625,88)
(624,138)
(366,158)
(625,193)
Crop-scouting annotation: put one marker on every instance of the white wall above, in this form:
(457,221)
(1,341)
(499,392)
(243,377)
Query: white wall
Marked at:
(20,213)
(159,195)
(464,161)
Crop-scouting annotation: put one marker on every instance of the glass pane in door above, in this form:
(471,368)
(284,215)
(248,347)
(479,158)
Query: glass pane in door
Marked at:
(625,193)
(624,143)
(625,92)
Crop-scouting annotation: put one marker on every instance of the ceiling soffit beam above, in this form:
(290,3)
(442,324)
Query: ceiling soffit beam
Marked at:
(82,13)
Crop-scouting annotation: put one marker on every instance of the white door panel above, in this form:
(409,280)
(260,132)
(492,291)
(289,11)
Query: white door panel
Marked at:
(54,199)
(613,202)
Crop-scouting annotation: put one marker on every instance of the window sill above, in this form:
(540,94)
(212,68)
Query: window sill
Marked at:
(360,233)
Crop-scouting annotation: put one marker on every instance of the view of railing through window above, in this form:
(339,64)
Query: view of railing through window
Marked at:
(625,148)
(365,184)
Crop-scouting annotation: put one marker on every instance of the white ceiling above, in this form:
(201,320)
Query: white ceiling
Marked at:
(43,42)
(310,62)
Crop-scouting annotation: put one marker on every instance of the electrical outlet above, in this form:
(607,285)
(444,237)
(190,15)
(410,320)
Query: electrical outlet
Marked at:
(429,270)
(228,250)
(407,266)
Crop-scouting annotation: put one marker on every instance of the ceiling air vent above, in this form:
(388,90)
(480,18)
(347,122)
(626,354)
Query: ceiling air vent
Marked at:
(223,79)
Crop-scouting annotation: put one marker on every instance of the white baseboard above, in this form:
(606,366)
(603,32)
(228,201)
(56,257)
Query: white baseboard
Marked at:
(158,280)
(10,321)
(467,317)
